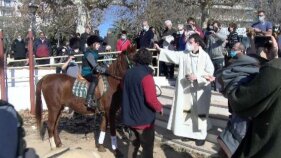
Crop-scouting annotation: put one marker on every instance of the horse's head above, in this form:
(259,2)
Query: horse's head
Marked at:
(129,55)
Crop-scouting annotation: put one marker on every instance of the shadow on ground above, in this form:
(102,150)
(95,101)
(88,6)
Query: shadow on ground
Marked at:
(88,127)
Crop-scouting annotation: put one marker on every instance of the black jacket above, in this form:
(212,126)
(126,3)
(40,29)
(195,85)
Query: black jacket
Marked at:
(260,101)
(145,39)
(19,49)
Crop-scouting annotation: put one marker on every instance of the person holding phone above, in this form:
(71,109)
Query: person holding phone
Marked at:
(191,21)
(262,27)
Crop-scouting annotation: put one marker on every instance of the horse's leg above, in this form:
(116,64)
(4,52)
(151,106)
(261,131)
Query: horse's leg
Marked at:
(56,134)
(51,123)
(102,132)
(112,116)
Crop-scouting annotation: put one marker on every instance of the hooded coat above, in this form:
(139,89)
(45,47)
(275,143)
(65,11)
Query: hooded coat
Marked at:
(260,100)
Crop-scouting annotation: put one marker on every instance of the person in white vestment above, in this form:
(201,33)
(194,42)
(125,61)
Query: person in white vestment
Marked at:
(191,103)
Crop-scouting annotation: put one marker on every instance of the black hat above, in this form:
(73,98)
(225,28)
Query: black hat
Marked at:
(74,43)
(93,39)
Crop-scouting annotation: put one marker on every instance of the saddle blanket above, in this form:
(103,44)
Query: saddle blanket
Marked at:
(80,87)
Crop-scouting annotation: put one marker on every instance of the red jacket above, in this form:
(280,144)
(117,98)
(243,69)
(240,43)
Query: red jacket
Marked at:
(123,45)
(200,31)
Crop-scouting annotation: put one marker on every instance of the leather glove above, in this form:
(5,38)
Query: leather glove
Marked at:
(100,69)
(107,73)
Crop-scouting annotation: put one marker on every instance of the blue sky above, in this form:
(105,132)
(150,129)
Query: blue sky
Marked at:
(108,20)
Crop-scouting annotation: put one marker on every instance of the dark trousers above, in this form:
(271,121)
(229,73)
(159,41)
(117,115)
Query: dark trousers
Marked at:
(143,138)
(166,69)
(170,70)
(218,64)
(162,68)
(43,61)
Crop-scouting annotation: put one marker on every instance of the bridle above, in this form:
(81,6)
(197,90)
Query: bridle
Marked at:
(130,65)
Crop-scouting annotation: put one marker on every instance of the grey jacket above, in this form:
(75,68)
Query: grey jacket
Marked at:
(241,71)
(215,45)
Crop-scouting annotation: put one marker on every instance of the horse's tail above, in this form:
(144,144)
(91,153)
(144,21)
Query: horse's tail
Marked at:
(38,106)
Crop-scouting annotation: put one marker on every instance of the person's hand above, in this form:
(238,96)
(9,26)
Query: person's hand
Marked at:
(197,32)
(257,30)
(156,46)
(191,77)
(70,58)
(212,32)
(161,112)
(209,78)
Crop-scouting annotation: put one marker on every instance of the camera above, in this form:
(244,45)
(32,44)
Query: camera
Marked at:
(263,41)
(189,28)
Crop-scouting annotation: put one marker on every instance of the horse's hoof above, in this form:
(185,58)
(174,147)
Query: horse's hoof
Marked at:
(59,145)
(117,153)
(101,148)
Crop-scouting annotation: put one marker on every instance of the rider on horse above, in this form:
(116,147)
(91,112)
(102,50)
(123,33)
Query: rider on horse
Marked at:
(90,68)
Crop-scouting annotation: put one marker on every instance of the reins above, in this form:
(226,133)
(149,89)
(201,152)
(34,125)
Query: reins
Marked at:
(130,65)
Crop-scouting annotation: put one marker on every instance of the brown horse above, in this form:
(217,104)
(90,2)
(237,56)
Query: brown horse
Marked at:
(57,91)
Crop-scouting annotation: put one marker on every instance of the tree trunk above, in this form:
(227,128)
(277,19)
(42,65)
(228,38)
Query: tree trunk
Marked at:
(205,12)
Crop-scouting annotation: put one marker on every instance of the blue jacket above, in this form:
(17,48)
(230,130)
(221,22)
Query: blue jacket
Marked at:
(135,110)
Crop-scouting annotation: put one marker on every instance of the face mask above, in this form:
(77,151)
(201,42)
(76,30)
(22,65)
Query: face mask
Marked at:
(232,53)
(189,47)
(181,32)
(145,28)
(261,18)
(123,37)
(19,39)
(76,50)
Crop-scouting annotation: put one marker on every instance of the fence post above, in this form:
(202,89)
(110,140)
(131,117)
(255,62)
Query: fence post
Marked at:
(31,72)
(2,68)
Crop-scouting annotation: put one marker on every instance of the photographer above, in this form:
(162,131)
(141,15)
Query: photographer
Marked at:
(264,46)
(191,21)
(262,27)
(70,67)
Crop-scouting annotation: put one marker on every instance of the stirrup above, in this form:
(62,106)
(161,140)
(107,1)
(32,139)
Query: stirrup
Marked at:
(91,104)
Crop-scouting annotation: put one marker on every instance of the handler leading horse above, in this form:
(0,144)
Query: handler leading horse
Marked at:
(57,91)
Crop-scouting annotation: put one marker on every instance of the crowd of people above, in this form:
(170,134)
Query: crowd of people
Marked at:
(206,58)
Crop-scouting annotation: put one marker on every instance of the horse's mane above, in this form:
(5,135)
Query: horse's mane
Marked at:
(120,65)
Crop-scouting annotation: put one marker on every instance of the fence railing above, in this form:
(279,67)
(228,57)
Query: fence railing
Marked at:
(52,63)
(33,73)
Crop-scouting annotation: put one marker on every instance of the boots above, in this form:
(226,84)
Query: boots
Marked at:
(90,102)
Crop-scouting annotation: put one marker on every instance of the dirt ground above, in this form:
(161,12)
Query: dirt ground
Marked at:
(82,132)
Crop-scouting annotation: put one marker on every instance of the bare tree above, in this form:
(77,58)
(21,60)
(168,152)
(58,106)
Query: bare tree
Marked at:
(204,6)
(272,9)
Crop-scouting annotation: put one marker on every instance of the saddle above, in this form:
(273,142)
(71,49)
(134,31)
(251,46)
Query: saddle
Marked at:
(80,87)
